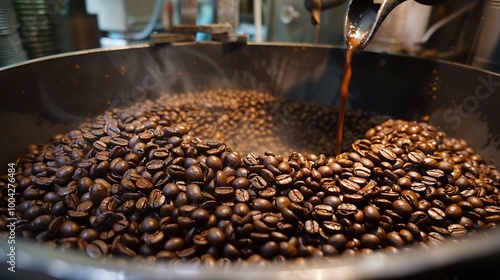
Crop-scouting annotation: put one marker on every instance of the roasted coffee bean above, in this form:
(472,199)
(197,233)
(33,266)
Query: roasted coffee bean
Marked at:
(241,195)
(153,239)
(395,239)
(268,193)
(269,250)
(356,199)
(362,172)
(338,241)
(349,186)
(457,230)
(41,223)
(144,185)
(97,249)
(311,227)
(99,145)
(194,174)
(288,215)
(402,208)
(97,193)
(284,181)
(324,211)
(261,204)
(347,210)
(149,225)
(215,237)
(64,173)
(241,183)
(295,196)
(108,204)
(156,199)
(258,182)
(370,241)
(436,214)
(371,214)
(88,235)
(387,154)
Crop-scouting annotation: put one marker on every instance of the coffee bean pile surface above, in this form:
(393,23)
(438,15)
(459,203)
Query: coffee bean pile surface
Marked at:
(253,122)
(140,183)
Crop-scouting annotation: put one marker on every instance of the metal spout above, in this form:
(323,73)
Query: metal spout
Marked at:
(363,19)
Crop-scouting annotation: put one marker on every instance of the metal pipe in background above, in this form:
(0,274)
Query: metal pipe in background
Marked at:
(487,53)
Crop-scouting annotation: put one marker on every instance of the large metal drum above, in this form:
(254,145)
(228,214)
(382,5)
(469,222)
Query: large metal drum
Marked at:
(52,95)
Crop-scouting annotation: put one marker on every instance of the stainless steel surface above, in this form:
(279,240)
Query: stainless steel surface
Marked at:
(52,95)
(365,17)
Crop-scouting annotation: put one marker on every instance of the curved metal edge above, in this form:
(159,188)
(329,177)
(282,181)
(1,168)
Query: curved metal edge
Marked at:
(379,265)
(271,44)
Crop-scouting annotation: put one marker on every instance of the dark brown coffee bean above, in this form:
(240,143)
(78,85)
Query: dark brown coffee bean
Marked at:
(457,230)
(261,204)
(288,215)
(176,171)
(295,196)
(387,154)
(194,174)
(97,193)
(436,173)
(108,204)
(215,163)
(97,249)
(346,210)
(349,186)
(395,239)
(216,237)
(436,214)
(410,197)
(371,214)
(324,211)
(269,250)
(144,185)
(362,172)
(85,206)
(284,181)
(241,183)
(149,225)
(241,195)
(99,146)
(258,183)
(153,239)
(88,234)
(338,241)
(311,227)
(402,208)
(370,241)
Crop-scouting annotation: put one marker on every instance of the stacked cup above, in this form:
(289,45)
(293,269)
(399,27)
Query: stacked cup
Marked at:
(11,47)
(39,26)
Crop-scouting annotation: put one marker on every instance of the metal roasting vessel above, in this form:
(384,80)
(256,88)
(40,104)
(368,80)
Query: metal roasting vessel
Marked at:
(52,95)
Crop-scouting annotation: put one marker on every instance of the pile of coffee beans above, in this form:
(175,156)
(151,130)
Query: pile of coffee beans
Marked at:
(254,122)
(140,183)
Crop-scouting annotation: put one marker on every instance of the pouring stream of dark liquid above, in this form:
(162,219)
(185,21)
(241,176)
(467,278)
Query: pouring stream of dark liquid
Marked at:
(353,42)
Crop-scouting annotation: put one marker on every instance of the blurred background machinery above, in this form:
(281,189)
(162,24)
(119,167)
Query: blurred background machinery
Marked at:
(463,31)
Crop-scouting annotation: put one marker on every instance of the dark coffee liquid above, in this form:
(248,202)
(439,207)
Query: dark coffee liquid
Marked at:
(353,42)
